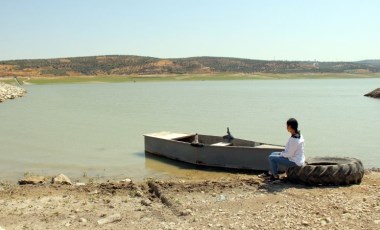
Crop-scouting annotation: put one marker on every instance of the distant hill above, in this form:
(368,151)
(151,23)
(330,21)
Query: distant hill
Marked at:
(371,62)
(139,65)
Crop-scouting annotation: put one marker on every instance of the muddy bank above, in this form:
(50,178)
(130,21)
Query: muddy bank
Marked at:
(10,92)
(235,202)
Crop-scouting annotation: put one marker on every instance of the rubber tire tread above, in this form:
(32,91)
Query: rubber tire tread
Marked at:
(327,171)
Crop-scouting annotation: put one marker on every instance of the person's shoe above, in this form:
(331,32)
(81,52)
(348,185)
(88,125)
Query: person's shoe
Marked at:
(265,175)
(273,179)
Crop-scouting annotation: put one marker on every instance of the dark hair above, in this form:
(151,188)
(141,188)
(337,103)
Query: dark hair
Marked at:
(293,123)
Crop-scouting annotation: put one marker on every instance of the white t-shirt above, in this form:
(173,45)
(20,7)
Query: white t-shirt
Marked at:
(294,149)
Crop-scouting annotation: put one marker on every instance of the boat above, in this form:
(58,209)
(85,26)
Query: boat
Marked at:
(207,150)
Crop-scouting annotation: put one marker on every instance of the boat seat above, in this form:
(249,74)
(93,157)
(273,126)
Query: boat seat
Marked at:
(170,135)
(221,144)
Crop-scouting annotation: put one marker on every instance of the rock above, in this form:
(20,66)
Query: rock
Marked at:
(376,221)
(126,180)
(76,210)
(61,179)
(305,223)
(110,219)
(146,202)
(80,184)
(186,212)
(1,189)
(68,224)
(222,198)
(10,92)
(328,219)
(323,222)
(375,93)
(32,180)
(140,209)
(139,194)
(83,220)
(93,192)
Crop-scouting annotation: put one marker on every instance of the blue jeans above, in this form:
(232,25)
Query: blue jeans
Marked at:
(275,159)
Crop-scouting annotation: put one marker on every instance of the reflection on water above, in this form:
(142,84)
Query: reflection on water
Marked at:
(169,167)
(97,129)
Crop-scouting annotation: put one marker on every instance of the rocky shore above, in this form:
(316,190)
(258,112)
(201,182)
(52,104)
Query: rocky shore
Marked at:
(237,201)
(10,92)
(375,93)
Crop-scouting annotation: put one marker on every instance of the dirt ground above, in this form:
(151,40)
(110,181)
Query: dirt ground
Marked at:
(235,202)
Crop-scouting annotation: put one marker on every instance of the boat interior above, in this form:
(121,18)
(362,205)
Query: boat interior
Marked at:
(198,139)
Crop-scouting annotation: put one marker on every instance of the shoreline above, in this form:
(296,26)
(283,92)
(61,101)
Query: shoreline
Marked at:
(45,179)
(184,77)
(239,202)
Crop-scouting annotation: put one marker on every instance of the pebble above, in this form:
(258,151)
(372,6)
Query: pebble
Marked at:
(110,219)
(80,184)
(305,223)
(139,194)
(146,202)
(32,180)
(222,198)
(127,180)
(83,220)
(61,179)
(93,192)
(376,221)
(186,212)
(328,219)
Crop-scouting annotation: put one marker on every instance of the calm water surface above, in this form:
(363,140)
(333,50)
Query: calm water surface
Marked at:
(96,129)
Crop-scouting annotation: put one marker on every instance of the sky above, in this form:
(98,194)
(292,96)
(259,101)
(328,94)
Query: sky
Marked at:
(334,30)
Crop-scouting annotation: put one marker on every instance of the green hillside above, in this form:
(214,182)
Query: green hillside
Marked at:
(371,62)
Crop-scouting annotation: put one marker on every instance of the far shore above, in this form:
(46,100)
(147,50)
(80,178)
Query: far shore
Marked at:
(182,77)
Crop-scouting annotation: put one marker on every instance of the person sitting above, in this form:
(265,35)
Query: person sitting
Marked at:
(293,155)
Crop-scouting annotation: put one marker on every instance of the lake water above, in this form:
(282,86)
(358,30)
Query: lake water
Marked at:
(96,129)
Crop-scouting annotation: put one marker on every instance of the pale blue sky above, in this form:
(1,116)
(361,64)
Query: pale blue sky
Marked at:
(332,30)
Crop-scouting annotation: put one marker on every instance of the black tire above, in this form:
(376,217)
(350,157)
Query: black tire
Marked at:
(327,171)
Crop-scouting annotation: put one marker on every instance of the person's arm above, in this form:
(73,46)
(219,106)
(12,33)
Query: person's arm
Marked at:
(290,149)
